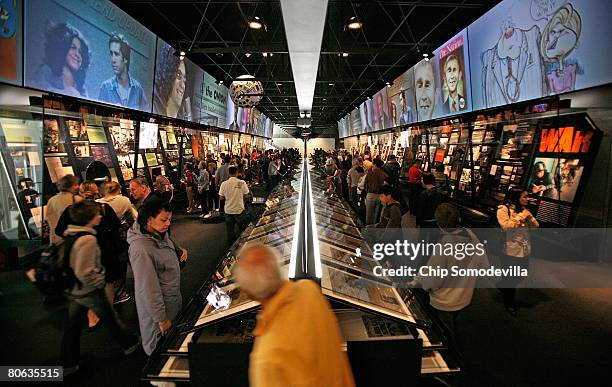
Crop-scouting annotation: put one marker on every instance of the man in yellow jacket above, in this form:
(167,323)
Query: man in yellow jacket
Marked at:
(297,337)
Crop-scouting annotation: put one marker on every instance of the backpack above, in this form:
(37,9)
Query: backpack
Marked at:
(54,275)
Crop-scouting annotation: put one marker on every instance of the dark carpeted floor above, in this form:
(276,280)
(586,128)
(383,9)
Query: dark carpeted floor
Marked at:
(560,337)
(31,331)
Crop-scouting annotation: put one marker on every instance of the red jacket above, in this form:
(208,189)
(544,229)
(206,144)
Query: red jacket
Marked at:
(414,175)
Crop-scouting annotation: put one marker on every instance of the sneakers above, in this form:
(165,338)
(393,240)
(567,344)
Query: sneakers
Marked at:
(207,216)
(132,349)
(121,298)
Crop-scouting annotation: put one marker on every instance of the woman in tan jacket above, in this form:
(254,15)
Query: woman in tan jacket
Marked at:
(514,218)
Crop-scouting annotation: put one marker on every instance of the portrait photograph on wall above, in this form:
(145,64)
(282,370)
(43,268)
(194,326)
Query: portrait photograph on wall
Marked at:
(365,114)
(11,33)
(178,85)
(555,178)
(90,50)
(525,49)
(400,97)
(426,85)
(234,116)
(380,113)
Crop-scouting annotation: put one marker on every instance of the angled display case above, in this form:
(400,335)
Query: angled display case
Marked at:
(219,312)
(368,308)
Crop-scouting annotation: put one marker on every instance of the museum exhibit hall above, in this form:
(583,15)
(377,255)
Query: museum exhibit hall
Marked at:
(328,193)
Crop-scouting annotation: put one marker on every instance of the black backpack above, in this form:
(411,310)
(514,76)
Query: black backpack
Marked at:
(54,275)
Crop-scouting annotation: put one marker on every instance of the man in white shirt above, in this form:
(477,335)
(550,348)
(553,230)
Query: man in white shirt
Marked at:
(233,191)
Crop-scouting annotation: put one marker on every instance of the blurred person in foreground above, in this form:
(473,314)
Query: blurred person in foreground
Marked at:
(297,337)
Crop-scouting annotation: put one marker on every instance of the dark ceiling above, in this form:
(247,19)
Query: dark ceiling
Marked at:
(388,44)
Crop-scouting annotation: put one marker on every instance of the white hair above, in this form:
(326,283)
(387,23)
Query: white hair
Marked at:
(258,273)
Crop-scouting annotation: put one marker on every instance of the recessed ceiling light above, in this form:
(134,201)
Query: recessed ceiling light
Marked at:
(256,23)
(353,23)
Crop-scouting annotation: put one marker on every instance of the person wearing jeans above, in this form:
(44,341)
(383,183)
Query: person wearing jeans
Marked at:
(233,191)
(374,181)
(516,220)
(88,293)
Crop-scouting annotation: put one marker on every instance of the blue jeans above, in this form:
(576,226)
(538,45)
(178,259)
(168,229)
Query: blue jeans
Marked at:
(372,204)
(77,319)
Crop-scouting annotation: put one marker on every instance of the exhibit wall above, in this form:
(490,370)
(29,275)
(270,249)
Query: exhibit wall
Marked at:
(520,50)
(81,48)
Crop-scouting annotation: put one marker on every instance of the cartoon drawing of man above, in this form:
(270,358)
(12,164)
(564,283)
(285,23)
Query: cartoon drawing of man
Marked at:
(452,75)
(512,69)
(559,39)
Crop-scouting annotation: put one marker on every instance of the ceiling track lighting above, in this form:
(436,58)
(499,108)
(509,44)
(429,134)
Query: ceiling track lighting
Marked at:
(353,23)
(180,54)
(257,23)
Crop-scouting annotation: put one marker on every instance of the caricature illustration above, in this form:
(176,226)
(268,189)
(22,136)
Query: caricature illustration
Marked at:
(512,69)
(559,38)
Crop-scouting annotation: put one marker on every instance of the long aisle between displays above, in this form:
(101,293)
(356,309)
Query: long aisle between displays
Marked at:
(220,318)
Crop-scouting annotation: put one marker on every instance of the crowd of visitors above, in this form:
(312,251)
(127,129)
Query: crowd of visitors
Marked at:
(377,191)
(101,232)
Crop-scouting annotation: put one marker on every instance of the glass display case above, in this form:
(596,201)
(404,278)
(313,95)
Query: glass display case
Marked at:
(367,307)
(219,311)
(484,154)
(21,173)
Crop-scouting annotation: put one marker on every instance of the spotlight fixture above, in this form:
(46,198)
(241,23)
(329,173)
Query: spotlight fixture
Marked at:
(426,57)
(388,84)
(343,54)
(331,84)
(180,54)
(257,23)
(353,23)
(247,54)
(220,82)
(279,84)
(369,98)
(265,54)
